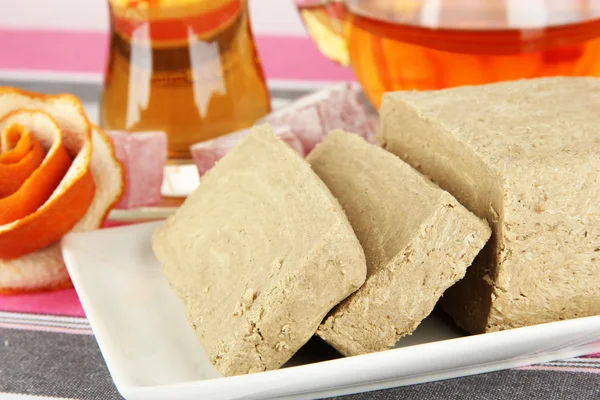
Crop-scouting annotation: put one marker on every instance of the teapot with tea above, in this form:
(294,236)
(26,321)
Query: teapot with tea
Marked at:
(433,44)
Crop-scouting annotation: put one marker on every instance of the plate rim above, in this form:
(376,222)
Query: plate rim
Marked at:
(326,370)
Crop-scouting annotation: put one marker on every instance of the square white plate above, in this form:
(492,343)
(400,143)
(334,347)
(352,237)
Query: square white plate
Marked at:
(152,353)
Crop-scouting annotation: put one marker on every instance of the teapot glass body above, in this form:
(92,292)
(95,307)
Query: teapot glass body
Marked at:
(433,44)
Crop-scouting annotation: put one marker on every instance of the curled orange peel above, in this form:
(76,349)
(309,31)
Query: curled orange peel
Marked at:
(30,258)
(22,155)
(35,189)
(58,193)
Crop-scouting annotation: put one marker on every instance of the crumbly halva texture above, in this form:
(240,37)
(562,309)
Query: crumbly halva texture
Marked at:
(418,241)
(259,254)
(525,155)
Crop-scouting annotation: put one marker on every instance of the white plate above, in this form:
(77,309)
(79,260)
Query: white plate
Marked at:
(152,353)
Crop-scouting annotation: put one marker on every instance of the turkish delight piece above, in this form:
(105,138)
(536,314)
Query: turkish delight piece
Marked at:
(313,116)
(344,110)
(206,154)
(306,123)
(143,156)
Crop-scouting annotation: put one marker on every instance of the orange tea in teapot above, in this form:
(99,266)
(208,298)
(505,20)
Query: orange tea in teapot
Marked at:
(186,67)
(417,44)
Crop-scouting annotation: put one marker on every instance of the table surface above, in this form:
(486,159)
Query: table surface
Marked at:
(47,348)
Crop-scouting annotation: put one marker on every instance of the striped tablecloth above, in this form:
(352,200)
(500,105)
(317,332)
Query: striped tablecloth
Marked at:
(43,354)
(47,348)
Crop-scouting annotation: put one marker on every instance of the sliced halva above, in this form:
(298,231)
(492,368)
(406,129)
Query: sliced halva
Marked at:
(525,155)
(258,255)
(418,241)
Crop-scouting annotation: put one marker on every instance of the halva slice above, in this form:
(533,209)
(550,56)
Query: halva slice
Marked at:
(418,241)
(525,155)
(259,254)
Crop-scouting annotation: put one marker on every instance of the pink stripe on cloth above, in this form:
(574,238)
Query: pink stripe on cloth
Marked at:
(560,369)
(283,57)
(57,51)
(60,302)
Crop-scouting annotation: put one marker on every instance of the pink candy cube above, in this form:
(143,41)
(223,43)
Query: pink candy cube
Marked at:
(305,122)
(344,110)
(206,154)
(312,117)
(144,156)
(302,124)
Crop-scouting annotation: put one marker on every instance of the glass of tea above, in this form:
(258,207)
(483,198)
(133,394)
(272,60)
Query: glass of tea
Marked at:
(433,44)
(185,67)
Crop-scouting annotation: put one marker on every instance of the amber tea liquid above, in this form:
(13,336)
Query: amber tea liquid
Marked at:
(469,48)
(190,70)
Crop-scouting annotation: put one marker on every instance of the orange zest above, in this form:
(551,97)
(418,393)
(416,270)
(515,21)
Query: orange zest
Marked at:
(39,185)
(16,142)
(44,269)
(30,254)
(56,195)
(22,155)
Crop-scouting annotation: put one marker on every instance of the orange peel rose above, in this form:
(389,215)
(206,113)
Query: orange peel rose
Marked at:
(58,174)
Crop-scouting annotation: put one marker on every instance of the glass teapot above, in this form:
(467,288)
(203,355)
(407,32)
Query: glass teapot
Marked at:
(433,44)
